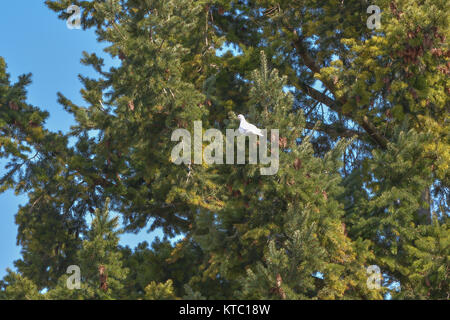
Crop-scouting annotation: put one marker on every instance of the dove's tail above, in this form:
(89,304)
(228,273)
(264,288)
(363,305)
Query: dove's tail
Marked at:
(259,133)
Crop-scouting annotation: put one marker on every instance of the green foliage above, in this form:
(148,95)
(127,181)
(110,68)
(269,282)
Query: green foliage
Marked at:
(159,291)
(427,278)
(99,248)
(363,174)
(21,126)
(288,224)
(161,262)
(16,287)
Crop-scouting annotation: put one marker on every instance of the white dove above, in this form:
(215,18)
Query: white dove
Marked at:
(248,128)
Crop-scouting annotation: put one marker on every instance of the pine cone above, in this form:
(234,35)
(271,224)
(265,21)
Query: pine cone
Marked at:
(297,164)
(13,105)
(103,278)
(131,105)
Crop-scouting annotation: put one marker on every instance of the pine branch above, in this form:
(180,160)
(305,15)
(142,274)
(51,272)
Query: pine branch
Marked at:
(319,96)
(334,132)
(334,105)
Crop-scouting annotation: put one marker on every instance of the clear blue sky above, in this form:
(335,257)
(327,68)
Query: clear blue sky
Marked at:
(34,40)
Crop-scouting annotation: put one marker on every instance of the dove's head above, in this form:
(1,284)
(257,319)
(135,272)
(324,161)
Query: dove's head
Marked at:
(241,117)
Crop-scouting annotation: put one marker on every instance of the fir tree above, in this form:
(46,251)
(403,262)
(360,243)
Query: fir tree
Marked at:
(99,260)
(363,175)
(284,228)
(160,291)
(17,287)
(159,264)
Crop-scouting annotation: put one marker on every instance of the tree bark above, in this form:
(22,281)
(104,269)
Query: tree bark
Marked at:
(425,212)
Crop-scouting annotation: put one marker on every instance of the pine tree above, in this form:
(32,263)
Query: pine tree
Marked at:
(16,287)
(99,260)
(391,219)
(363,177)
(159,264)
(160,291)
(283,229)
(21,126)
(36,164)
(428,275)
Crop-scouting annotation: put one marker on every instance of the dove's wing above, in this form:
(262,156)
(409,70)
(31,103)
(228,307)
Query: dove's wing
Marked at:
(250,128)
(242,127)
(258,132)
(253,129)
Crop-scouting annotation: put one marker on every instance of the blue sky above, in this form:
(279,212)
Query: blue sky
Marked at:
(34,40)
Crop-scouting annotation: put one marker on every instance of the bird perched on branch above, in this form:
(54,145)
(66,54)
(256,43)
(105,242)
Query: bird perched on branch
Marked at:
(248,128)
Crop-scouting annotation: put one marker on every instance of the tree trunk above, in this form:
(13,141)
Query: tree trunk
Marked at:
(425,211)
